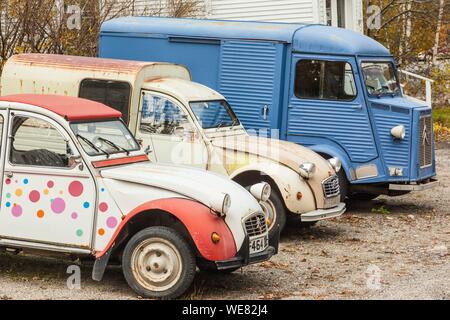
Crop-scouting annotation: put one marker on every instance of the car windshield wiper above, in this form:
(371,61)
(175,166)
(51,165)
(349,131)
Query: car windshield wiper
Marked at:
(93,146)
(115,146)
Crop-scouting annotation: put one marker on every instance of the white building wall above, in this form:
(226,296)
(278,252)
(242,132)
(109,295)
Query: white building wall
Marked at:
(294,11)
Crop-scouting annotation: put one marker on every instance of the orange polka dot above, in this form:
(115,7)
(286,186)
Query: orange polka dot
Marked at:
(19,192)
(61,192)
(101,232)
(46,192)
(40,214)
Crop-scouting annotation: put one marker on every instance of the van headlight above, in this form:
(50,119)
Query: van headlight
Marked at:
(399,132)
(336,163)
(307,170)
(221,205)
(261,191)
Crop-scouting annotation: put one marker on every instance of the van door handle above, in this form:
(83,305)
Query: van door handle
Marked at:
(9,175)
(265,112)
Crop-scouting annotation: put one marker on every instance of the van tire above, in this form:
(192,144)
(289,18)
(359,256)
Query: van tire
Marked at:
(164,249)
(344,185)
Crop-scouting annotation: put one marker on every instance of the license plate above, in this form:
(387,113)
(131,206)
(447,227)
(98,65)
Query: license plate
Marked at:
(258,245)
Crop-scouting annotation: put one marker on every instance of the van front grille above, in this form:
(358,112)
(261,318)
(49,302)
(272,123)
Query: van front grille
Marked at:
(426,142)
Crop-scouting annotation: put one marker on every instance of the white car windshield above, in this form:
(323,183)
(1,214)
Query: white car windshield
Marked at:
(214,114)
(380,78)
(105,137)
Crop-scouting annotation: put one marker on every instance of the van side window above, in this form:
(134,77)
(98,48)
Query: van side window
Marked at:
(36,142)
(115,94)
(325,80)
(161,116)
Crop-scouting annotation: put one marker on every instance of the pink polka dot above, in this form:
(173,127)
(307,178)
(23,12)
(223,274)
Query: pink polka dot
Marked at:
(74,216)
(103,207)
(50,184)
(17,211)
(58,206)
(35,196)
(76,188)
(111,222)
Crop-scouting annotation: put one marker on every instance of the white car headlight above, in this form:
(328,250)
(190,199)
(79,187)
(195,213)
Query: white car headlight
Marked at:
(307,170)
(399,132)
(221,204)
(336,163)
(261,191)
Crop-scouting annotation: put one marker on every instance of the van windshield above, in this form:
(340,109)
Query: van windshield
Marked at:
(214,114)
(380,78)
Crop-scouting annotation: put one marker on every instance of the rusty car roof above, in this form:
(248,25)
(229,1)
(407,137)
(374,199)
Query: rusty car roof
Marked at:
(71,108)
(87,63)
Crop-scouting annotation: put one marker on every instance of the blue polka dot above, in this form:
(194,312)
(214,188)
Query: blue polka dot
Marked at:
(8,204)
(26,181)
(86,205)
(102,189)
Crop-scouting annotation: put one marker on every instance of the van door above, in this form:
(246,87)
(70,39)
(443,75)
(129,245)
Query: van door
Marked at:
(167,129)
(46,196)
(327,106)
(3,138)
(249,79)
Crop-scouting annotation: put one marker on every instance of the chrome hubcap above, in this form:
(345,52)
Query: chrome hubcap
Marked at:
(157,264)
(270,212)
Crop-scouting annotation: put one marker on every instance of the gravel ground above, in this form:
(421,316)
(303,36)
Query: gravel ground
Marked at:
(399,252)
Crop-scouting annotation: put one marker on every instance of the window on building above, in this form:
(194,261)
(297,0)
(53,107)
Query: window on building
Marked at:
(325,80)
(335,13)
(115,94)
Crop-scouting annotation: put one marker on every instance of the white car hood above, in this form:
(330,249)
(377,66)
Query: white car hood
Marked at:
(196,184)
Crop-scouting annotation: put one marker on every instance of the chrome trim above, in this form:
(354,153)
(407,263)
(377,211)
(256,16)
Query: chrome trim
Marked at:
(255,225)
(331,187)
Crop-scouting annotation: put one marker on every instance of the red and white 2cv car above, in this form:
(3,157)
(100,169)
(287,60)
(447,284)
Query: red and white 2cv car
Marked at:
(75,181)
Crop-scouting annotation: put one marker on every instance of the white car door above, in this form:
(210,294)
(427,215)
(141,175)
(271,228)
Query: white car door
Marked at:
(167,130)
(47,196)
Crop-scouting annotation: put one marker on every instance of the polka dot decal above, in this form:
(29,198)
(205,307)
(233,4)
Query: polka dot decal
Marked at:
(34,196)
(17,211)
(111,222)
(58,205)
(40,214)
(76,189)
(103,207)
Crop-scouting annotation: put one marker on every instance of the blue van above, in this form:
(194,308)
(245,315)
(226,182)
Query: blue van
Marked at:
(331,89)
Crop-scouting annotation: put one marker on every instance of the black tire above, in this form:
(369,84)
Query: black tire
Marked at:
(343,184)
(175,245)
(363,196)
(280,214)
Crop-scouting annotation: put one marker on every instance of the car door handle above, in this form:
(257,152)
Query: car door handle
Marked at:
(265,112)
(9,175)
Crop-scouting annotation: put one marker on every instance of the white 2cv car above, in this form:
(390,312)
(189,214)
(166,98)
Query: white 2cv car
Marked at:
(75,181)
(183,122)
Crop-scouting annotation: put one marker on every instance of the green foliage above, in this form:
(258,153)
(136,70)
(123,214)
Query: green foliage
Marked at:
(381,210)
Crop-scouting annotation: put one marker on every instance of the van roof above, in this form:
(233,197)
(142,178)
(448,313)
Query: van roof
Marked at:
(304,38)
(72,109)
(87,63)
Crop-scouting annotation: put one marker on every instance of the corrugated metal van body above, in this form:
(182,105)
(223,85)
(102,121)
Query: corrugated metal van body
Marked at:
(250,80)
(253,65)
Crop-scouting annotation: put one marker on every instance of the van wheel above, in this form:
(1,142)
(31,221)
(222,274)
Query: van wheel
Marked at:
(343,184)
(158,263)
(275,213)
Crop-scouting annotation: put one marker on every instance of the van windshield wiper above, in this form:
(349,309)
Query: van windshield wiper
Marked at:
(115,146)
(93,146)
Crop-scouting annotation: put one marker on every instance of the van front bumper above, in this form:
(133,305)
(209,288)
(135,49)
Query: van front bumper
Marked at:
(243,257)
(420,186)
(324,214)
